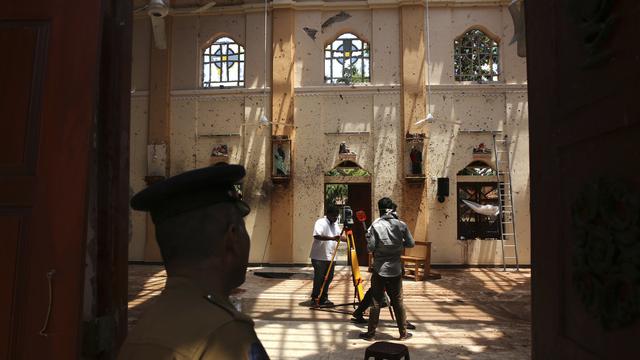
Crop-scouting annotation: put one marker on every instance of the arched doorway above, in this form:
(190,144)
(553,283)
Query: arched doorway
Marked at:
(348,184)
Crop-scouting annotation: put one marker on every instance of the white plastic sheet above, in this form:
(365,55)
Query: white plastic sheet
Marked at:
(488,210)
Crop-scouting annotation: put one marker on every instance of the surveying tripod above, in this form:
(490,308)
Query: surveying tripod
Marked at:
(355,267)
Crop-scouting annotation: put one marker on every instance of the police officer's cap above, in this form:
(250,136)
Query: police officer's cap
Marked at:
(192,190)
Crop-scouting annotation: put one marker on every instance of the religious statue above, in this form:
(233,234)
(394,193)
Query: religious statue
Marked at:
(220,150)
(279,156)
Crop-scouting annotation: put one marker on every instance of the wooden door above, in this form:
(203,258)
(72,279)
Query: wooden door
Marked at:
(359,198)
(48,74)
(584,85)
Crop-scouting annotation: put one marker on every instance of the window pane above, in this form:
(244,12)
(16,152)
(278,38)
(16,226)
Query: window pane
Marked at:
(475,57)
(223,64)
(345,60)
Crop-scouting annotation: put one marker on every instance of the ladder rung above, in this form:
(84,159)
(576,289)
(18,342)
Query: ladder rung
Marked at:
(510,257)
(510,245)
(507,234)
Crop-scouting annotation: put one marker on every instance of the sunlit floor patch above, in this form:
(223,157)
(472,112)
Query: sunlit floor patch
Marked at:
(468,314)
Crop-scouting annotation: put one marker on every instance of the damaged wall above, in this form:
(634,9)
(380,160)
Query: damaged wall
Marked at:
(367,117)
(479,107)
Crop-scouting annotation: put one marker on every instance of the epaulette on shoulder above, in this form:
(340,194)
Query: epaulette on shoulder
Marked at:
(212,300)
(228,308)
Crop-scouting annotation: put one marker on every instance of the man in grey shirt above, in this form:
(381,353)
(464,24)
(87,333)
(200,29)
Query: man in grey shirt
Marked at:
(386,238)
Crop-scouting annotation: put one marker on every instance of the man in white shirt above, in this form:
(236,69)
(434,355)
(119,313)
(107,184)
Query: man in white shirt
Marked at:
(325,236)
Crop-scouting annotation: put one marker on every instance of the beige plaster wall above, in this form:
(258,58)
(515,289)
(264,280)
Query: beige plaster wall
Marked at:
(495,106)
(201,118)
(325,115)
(368,121)
(137,172)
(447,23)
(140,55)
(139,131)
(450,150)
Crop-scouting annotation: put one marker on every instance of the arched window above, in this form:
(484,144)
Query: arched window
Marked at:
(223,64)
(475,57)
(477,202)
(346,60)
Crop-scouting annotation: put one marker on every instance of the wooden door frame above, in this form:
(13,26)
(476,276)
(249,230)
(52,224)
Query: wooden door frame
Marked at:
(111,159)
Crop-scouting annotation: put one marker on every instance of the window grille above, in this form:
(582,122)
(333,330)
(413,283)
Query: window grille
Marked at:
(472,225)
(478,168)
(223,64)
(346,60)
(476,57)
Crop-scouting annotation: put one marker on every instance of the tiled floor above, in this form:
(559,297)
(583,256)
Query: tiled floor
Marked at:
(468,314)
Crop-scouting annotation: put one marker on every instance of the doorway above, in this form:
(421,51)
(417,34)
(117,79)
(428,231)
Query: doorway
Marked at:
(348,184)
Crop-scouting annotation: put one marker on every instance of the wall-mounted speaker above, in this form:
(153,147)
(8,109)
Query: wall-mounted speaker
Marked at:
(443,189)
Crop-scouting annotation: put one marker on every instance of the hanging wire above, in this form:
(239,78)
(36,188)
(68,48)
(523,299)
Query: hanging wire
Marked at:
(428,61)
(264,84)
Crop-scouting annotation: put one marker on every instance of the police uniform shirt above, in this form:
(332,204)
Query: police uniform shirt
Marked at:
(183,323)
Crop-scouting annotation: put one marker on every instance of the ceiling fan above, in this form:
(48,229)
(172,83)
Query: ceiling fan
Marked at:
(158,10)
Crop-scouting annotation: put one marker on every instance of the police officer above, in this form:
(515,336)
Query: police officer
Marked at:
(200,230)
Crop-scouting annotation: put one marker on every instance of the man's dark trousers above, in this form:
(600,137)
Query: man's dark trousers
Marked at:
(319,271)
(393,286)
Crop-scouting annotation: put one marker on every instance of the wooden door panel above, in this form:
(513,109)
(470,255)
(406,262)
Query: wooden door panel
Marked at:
(49,65)
(587,157)
(22,72)
(9,244)
(584,81)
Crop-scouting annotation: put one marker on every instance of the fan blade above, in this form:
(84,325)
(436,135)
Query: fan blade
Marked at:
(140,9)
(159,36)
(204,7)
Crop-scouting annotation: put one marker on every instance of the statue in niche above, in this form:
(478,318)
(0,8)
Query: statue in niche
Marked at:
(344,149)
(481,149)
(220,150)
(416,160)
(279,156)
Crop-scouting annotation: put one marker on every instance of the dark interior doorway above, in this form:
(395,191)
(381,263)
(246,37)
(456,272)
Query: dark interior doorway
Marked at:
(358,197)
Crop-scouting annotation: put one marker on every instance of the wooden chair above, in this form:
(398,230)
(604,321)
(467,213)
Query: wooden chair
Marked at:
(419,268)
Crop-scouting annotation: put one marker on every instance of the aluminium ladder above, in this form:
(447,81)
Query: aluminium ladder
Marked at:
(501,148)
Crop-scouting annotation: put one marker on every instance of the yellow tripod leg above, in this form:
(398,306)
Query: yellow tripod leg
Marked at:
(355,267)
